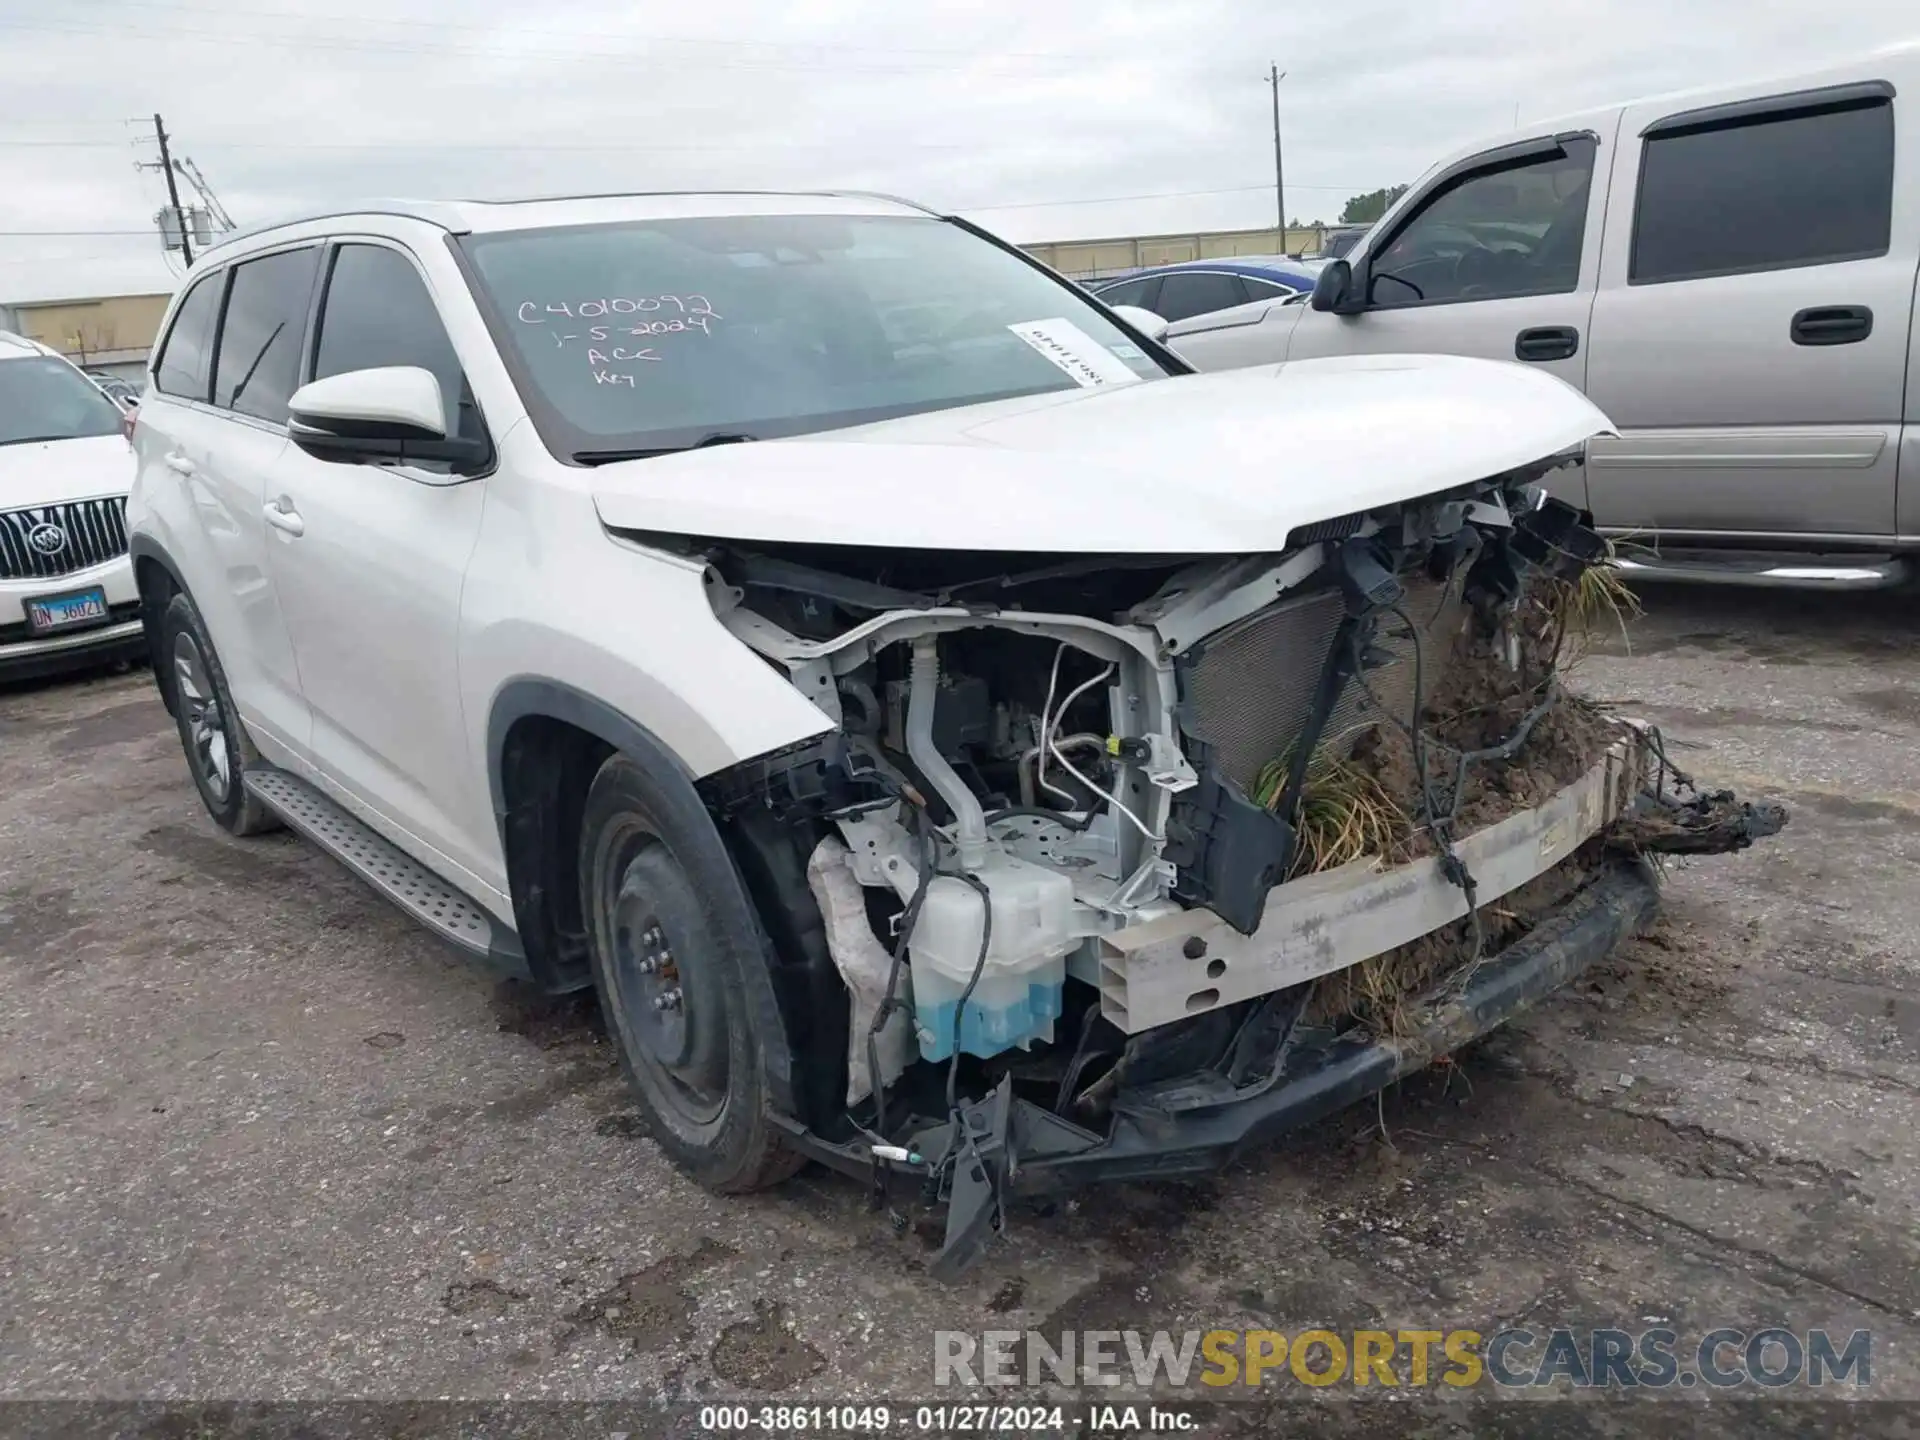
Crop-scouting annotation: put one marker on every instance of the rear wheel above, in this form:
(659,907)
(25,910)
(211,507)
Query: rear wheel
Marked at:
(211,734)
(673,985)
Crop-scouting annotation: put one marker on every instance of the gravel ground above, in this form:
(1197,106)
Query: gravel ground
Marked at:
(261,1138)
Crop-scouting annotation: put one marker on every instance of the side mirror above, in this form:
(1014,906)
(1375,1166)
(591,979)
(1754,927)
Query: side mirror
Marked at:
(1333,289)
(1145,321)
(392,412)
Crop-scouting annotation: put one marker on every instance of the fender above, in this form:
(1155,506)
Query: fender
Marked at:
(140,549)
(696,839)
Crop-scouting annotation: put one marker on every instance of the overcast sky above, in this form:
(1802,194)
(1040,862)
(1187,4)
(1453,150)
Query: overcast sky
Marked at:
(1042,120)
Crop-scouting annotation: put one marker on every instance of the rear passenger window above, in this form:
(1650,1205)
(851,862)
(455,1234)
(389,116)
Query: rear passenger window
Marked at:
(1198,292)
(1808,187)
(1128,292)
(378,312)
(188,348)
(257,365)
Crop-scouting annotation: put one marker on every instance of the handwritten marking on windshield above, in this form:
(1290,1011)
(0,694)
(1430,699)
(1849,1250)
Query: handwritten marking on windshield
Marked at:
(532,312)
(619,352)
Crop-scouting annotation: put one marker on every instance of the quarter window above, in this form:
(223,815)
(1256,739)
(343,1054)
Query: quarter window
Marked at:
(1804,188)
(1266,289)
(187,352)
(257,364)
(1491,234)
(378,312)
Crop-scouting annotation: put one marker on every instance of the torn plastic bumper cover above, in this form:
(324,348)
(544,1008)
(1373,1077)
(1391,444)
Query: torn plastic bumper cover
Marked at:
(1011,1147)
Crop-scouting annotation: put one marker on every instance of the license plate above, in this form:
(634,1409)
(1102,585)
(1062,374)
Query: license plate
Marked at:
(67,612)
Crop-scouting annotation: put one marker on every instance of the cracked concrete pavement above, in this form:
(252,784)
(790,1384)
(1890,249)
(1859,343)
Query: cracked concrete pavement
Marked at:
(261,1138)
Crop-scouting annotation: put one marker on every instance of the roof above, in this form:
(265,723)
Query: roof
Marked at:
(462,217)
(1274,267)
(10,341)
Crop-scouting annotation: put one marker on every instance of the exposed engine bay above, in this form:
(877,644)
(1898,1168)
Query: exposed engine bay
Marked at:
(1099,837)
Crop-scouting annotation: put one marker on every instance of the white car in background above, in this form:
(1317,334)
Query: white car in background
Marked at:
(67,595)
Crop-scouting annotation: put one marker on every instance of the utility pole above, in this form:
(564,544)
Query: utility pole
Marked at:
(1274,76)
(207,198)
(173,190)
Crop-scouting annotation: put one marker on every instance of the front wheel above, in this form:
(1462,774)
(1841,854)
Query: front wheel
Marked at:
(215,741)
(673,985)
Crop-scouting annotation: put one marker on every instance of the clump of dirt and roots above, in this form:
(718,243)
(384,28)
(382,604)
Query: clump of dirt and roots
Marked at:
(1368,796)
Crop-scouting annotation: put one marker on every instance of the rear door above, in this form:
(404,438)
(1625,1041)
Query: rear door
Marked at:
(201,475)
(1750,332)
(369,561)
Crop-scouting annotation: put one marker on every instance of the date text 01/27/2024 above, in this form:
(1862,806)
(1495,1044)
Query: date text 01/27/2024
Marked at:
(997,1420)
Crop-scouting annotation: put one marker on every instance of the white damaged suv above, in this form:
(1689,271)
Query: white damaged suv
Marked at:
(66,587)
(909,696)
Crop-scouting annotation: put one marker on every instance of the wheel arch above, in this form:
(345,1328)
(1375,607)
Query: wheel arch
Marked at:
(156,576)
(545,741)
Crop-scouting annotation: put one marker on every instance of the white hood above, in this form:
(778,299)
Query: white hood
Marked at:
(47,472)
(1226,463)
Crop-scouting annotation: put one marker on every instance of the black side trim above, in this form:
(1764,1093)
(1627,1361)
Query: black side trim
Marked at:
(689,821)
(1826,97)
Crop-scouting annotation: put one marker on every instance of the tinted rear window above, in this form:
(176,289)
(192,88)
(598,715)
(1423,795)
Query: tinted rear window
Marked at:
(1805,188)
(258,363)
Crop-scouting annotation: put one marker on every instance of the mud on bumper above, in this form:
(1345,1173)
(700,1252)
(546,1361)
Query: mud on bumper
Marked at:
(1004,1146)
(1011,1147)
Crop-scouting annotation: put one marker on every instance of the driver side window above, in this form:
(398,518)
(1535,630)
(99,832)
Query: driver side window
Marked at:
(1490,234)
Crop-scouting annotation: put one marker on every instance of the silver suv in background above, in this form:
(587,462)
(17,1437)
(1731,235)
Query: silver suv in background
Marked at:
(1728,275)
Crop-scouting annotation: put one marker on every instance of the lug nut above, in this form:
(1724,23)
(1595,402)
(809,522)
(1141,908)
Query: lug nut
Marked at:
(647,966)
(668,1001)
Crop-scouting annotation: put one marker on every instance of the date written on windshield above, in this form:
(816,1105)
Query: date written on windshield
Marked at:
(650,315)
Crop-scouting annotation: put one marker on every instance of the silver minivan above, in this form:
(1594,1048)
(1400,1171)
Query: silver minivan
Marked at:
(1729,275)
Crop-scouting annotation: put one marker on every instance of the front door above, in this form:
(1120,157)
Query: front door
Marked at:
(1497,258)
(369,562)
(1750,331)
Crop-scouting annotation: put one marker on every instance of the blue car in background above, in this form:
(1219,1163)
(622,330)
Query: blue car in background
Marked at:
(1198,287)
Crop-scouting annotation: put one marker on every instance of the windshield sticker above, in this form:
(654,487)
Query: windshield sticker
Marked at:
(1084,360)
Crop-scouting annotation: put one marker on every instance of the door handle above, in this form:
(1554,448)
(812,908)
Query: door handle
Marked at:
(1546,342)
(1831,325)
(179,464)
(287,520)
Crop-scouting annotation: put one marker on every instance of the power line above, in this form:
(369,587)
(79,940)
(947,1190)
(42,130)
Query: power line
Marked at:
(652,39)
(1013,205)
(475,147)
(379,47)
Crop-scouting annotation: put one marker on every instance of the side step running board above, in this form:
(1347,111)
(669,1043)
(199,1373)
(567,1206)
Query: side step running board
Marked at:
(1867,573)
(442,908)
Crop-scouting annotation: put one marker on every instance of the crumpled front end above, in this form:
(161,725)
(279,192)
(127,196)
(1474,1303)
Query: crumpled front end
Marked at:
(1125,861)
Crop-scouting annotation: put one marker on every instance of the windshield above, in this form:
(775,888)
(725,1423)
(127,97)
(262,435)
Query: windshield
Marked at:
(661,334)
(42,398)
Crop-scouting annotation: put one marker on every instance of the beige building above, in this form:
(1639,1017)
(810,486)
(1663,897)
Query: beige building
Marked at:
(114,332)
(1084,259)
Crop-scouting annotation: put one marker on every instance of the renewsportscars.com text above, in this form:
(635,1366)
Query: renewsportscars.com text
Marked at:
(1770,1357)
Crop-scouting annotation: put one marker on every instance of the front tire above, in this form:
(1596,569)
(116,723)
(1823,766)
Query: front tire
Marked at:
(215,742)
(673,984)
